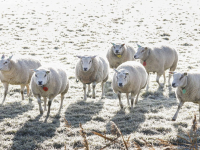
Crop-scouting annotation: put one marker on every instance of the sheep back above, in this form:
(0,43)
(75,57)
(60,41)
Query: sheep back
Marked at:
(57,82)
(137,77)
(192,93)
(161,59)
(20,72)
(97,73)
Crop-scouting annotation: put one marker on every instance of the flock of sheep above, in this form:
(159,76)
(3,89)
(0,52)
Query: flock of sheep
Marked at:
(130,76)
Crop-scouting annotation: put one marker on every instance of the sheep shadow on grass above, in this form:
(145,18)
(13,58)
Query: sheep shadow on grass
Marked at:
(131,122)
(13,110)
(34,132)
(82,111)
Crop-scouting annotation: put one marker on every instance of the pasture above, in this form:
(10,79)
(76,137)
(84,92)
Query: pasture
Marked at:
(57,31)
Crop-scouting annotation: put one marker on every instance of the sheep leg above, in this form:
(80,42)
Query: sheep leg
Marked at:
(30,93)
(169,79)
(49,105)
(45,103)
(164,77)
(39,103)
(6,85)
(102,88)
(127,96)
(89,90)
(148,79)
(27,89)
(93,89)
(132,100)
(137,97)
(62,97)
(176,114)
(120,102)
(157,79)
(22,91)
(199,112)
(84,89)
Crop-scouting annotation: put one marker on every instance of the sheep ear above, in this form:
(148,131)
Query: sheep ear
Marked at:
(10,57)
(33,70)
(145,48)
(3,56)
(126,73)
(116,71)
(172,72)
(93,56)
(48,71)
(78,56)
(139,46)
(113,44)
(185,74)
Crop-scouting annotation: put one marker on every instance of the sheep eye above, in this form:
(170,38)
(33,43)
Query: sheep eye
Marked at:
(36,75)
(90,61)
(142,51)
(45,75)
(5,62)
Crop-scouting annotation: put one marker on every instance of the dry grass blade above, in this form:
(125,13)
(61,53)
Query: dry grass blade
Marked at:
(137,146)
(113,125)
(114,129)
(67,124)
(112,141)
(148,145)
(103,136)
(194,124)
(167,144)
(83,134)
(128,141)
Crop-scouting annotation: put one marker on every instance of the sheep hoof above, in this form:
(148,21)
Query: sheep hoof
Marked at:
(121,106)
(173,119)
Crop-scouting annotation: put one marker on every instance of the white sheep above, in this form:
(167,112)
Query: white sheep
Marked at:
(157,59)
(129,77)
(187,89)
(92,69)
(47,82)
(16,71)
(119,53)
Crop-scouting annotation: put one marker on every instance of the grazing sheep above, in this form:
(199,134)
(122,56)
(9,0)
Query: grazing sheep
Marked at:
(130,77)
(188,85)
(92,69)
(157,59)
(16,71)
(119,53)
(47,82)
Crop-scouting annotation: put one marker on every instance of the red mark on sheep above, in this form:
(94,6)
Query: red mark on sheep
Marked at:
(45,88)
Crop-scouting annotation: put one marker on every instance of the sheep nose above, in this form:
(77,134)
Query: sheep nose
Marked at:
(173,84)
(117,51)
(40,82)
(85,69)
(120,84)
(135,56)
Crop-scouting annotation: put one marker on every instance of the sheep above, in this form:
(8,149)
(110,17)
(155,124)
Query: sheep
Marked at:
(16,71)
(187,89)
(92,69)
(129,77)
(157,59)
(119,53)
(48,81)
